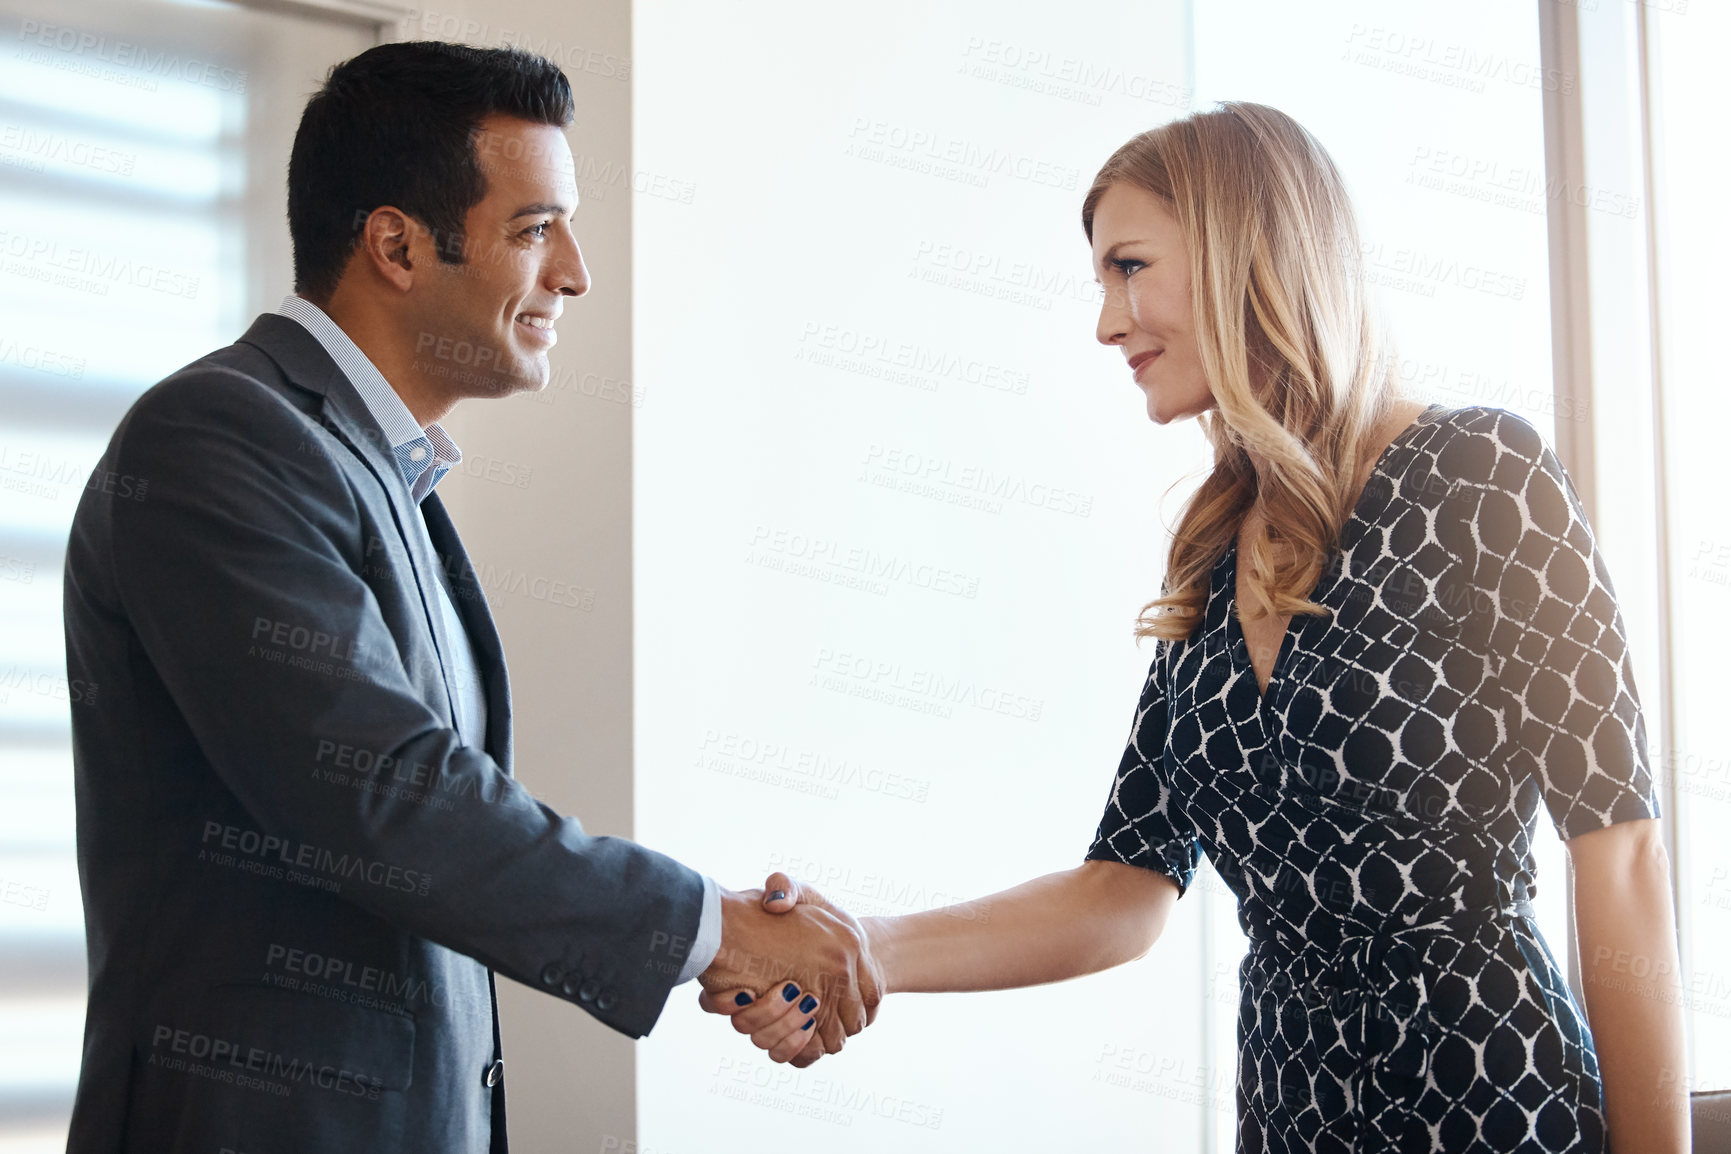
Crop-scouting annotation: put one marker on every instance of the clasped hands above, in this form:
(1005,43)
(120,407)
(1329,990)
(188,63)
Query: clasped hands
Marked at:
(794,971)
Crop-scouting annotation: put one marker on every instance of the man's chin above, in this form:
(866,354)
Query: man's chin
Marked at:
(529,373)
(534,374)
(504,381)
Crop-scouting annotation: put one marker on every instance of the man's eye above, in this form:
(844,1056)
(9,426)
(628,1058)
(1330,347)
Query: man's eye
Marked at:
(539,230)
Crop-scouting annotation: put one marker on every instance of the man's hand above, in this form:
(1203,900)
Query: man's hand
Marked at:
(826,986)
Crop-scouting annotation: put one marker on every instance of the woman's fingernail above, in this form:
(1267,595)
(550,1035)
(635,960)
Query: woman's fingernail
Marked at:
(789,992)
(777,895)
(742,999)
(808,1023)
(808,1005)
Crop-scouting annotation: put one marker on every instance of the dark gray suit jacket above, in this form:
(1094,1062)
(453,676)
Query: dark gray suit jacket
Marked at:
(297,880)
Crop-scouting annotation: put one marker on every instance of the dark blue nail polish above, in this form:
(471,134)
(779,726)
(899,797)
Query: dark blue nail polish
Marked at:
(777,895)
(808,1005)
(742,999)
(808,1023)
(789,992)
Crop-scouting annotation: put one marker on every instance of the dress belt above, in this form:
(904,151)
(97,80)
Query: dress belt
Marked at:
(1391,1029)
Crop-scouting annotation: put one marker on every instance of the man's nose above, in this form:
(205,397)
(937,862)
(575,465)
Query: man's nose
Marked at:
(567,275)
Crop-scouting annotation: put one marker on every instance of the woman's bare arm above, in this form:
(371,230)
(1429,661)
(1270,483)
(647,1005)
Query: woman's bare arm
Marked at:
(1063,925)
(1626,928)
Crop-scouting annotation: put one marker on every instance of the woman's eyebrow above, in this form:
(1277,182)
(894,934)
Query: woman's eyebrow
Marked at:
(1111,254)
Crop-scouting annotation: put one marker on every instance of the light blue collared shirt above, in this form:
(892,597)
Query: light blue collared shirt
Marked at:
(425,456)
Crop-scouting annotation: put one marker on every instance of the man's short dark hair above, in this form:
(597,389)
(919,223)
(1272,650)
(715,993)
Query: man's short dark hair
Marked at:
(396,125)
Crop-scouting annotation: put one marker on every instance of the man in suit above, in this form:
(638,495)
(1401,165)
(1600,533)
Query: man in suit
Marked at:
(302,852)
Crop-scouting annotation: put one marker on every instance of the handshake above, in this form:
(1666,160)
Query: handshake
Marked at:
(794,971)
(800,975)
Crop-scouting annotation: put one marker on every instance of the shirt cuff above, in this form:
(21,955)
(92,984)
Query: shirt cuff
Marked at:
(707,944)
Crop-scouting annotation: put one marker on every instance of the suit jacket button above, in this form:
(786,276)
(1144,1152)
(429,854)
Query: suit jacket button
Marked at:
(589,990)
(572,981)
(495,1072)
(606,1000)
(551,975)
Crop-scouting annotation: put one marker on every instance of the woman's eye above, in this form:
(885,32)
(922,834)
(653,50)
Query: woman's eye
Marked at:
(1127,267)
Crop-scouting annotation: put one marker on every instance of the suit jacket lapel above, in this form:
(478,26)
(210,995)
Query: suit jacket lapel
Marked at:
(478,620)
(304,361)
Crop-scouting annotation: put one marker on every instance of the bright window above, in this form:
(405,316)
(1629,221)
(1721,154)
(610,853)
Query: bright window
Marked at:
(132,240)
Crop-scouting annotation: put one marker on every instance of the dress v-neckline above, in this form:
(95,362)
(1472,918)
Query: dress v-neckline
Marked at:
(1236,642)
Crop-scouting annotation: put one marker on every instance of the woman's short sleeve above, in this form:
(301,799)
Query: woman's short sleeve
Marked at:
(1574,717)
(1143,825)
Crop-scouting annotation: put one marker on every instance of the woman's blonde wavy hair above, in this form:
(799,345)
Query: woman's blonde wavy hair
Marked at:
(1288,342)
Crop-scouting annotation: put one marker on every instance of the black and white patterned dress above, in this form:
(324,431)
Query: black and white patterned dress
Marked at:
(1373,813)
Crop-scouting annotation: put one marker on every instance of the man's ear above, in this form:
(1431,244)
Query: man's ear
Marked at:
(392,242)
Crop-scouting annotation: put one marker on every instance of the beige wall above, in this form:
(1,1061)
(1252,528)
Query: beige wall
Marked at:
(571,1080)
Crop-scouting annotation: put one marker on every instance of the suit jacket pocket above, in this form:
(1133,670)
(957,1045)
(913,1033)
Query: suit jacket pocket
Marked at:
(312,1041)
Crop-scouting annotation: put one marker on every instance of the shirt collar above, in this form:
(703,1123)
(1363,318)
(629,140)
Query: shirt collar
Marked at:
(424,455)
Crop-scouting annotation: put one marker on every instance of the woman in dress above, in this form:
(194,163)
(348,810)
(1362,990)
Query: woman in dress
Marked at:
(1386,637)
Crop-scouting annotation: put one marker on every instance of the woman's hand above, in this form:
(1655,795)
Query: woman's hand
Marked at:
(783,1021)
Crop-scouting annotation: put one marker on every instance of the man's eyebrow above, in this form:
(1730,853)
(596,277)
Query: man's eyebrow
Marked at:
(542,210)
